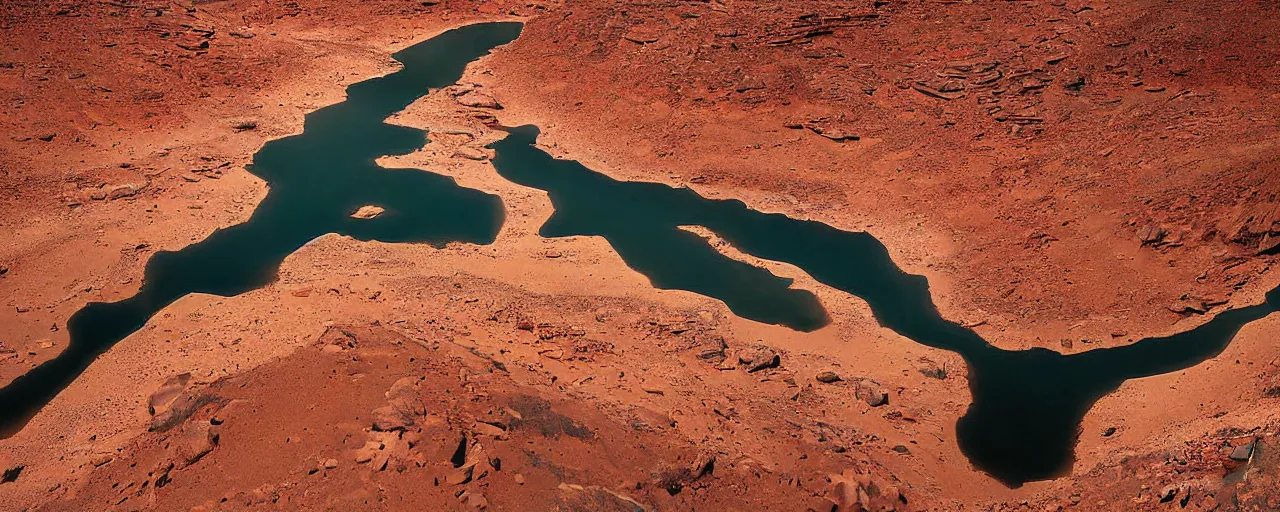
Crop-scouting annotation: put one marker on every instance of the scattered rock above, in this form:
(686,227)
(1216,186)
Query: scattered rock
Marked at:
(933,370)
(653,390)
(489,429)
(11,474)
(833,133)
(859,491)
(47,137)
(389,419)
(901,448)
(641,34)
(939,93)
(367,452)
(519,478)
(750,84)
(478,100)
(870,392)
(715,353)
(367,212)
(163,397)
(202,45)
(470,154)
(246,125)
(1109,431)
(3,269)
(330,463)
(461,475)
(126,190)
(1188,305)
(828,377)
(1168,492)
(195,443)
(1243,452)
(1151,234)
(759,358)
(476,501)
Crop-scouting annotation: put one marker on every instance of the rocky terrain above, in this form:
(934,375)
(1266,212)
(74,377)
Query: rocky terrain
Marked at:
(1068,175)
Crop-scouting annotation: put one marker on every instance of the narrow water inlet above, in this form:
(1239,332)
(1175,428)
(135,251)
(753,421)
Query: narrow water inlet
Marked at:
(1027,405)
(316,179)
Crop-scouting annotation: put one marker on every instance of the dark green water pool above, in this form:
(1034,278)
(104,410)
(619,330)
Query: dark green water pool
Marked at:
(1027,405)
(316,179)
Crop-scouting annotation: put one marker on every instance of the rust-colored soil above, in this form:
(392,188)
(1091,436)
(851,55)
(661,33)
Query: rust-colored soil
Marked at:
(1068,175)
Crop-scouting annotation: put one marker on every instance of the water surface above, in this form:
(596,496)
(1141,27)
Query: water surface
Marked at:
(1027,404)
(316,179)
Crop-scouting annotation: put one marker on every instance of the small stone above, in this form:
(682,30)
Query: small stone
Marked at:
(330,463)
(653,390)
(368,212)
(47,137)
(828,377)
(1168,492)
(901,449)
(1110,431)
(519,478)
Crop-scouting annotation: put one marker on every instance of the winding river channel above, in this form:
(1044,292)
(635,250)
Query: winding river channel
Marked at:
(1027,404)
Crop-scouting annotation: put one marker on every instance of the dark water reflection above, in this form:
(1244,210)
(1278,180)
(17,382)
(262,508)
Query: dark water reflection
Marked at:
(1027,404)
(317,179)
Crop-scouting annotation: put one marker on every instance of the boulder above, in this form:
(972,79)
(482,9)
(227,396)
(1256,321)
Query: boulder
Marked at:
(162,398)
(1243,452)
(871,392)
(367,212)
(759,358)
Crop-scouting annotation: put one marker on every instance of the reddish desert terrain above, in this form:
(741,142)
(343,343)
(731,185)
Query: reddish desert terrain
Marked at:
(1069,175)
